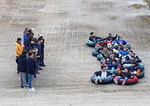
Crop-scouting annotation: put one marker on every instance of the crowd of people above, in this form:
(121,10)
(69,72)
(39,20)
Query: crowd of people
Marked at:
(114,53)
(29,57)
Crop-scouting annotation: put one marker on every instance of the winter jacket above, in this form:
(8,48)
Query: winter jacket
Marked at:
(133,68)
(22,63)
(137,59)
(31,66)
(129,61)
(125,74)
(39,50)
(92,38)
(123,42)
(123,53)
(18,48)
(110,38)
(98,73)
(112,65)
(25,37)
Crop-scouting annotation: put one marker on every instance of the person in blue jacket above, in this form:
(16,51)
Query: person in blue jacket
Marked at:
(25,36)
(121,41)
(123,52)
(22,68)
(30,70)
(102,75)
(112,66)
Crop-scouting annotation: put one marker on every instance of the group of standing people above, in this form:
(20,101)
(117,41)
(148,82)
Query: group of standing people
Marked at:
(29,57)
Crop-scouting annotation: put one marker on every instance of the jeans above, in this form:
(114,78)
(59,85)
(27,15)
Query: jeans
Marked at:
(96,40)
(104,79)
(37,65)
(30,77)
(23,77)
(112,70)
(125,79)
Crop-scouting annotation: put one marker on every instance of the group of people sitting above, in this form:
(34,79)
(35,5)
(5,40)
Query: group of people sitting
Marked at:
(114,53)
(29,57)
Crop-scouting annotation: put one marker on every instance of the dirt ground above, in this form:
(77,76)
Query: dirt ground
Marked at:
(65,25)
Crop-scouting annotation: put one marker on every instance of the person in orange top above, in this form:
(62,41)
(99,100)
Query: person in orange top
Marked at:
(18,47)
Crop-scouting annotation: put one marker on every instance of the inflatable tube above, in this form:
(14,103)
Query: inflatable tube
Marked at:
(128,46)
(140,66)
(114,72)
(95,53)
(141,75)
(127,65)
(97,47)
(99,57)
(90,43)
(130,81)
(107,80)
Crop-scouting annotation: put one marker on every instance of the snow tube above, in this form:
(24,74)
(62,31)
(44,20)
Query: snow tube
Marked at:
(127,65)
(100,56)
(128,46)
(141,75)
(97,47)
(130,81)
(140,66)
(107,80)
(90,43)
(114,72)
(95,53)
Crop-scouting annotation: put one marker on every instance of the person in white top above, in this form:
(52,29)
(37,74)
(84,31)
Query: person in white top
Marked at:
(102,76)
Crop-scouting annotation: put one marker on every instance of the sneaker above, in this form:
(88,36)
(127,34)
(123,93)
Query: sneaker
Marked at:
(31,89)
(43,65)
(115,80)
(26,86)
(21,86)
(96,81)
(100,80)
(37,72)
(40,69)
(123,83)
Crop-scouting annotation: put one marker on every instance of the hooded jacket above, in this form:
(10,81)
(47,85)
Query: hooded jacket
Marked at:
(22,63)
(18,48)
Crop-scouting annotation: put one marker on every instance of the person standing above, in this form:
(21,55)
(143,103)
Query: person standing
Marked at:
(30,70)
(38,46)
(25,36)
(22,68)
(42,51)
(18,47)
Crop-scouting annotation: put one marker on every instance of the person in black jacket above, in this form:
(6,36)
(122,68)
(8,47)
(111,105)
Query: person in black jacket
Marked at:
(94,38)
(102,75)
(42,51)
(22,68)
(110,37)
(30,70)
(133,68)
(38,46)
(125,74)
